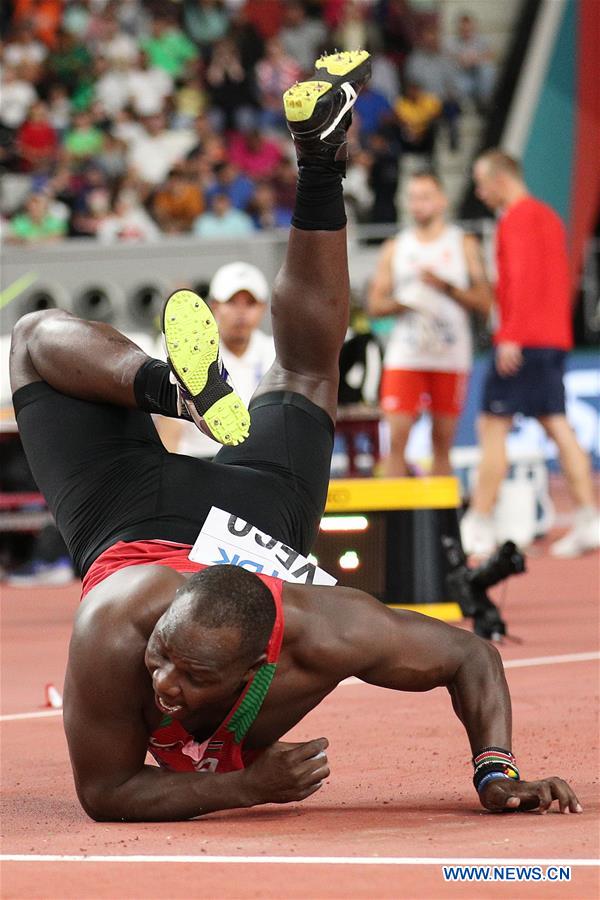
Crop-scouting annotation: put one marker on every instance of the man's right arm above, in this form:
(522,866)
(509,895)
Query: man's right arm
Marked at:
(406,651)
(381,300)
(108,741)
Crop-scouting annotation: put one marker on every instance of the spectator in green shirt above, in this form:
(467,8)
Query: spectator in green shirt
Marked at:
(169,48)
(84,140)
(37,224)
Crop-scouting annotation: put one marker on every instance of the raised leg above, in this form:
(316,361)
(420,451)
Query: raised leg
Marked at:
(310,305)
(310,311)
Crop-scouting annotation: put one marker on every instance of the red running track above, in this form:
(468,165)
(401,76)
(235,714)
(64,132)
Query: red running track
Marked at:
(399,792)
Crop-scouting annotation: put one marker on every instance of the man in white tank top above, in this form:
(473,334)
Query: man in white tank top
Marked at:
(430,276)
(238,296)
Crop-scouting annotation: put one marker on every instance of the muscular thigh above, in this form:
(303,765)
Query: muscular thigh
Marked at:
(97,465)
(287,460)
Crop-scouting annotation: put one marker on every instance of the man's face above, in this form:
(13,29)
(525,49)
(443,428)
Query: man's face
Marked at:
(220,205)
(466,28)
(238,318)
(37,207)
(425,201)
(430,40)
(488,184)
(192,667)
(155,124)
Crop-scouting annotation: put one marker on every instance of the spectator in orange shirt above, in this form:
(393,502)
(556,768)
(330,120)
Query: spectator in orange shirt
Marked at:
(177,203)
(532,340)
(43,16)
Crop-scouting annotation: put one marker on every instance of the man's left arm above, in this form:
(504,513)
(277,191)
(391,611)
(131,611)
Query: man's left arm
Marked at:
(478,297)
(407,651)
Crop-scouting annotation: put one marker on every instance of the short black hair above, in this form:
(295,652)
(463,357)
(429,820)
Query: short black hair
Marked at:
(232,597)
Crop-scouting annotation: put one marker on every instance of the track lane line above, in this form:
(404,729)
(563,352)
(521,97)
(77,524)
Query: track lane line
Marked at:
(551,660)
(298,860)
(41,714)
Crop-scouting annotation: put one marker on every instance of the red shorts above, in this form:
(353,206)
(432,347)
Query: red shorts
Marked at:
(408,391)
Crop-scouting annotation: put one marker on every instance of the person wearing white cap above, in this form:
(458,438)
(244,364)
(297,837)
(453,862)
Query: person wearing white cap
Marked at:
(238,296)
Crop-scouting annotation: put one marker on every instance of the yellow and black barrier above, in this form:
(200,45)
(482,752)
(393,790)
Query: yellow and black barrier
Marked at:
(383,536)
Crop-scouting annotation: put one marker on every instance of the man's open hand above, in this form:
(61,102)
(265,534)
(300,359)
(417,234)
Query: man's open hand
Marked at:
(288,772)
(504,794)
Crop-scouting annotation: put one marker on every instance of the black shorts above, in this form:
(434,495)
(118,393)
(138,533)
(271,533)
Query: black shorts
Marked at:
(537,389)
(107,477)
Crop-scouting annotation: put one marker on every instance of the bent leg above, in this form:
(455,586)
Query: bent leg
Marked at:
(493,431)
(86,360)
(574,460)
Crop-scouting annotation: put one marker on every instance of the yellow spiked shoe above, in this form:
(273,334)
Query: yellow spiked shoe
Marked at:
(319,111)
(192,340)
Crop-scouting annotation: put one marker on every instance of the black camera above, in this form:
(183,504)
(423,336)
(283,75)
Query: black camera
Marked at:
(468,587)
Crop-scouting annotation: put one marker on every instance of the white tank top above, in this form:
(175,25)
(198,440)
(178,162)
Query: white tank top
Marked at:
(436,333)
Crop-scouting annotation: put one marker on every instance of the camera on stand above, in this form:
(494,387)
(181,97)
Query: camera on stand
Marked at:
(468,586)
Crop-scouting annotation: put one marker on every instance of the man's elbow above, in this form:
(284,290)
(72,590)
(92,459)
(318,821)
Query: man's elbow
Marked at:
(486,660)
(101,804)
(480,661)
(96,809)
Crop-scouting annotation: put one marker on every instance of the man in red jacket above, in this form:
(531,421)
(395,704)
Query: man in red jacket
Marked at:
(532,341)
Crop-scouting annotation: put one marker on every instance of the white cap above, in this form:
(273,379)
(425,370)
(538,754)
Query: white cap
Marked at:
(238,276)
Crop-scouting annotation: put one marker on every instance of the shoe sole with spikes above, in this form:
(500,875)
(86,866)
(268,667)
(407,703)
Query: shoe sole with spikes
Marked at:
(192,341)
(319,111)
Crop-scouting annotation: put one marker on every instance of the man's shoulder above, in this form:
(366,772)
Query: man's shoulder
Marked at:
(531,209)
(132,599)
(325,625)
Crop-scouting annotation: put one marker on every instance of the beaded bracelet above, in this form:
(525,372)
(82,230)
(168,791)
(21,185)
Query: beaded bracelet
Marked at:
(491,763)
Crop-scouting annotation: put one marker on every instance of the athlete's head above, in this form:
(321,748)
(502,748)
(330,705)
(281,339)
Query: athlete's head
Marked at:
(210,641)
(425,198)
(239,295)
(497,176)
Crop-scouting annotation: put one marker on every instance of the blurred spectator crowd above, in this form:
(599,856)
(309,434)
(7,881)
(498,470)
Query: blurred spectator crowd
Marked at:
(123,120)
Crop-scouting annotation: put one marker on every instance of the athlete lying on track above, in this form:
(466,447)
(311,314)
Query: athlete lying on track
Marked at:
(207,667)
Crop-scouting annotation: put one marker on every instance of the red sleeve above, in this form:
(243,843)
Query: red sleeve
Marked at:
(511,267)
(533,277)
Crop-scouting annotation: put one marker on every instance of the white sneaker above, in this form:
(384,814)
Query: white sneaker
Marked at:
(477,534)
(583,536)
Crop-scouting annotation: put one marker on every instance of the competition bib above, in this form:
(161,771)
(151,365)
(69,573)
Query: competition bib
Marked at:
(227,540)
